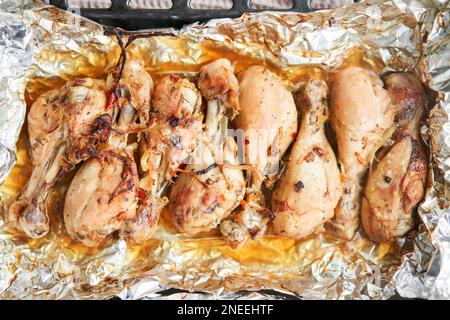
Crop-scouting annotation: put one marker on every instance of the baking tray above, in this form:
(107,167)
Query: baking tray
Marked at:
(121,14)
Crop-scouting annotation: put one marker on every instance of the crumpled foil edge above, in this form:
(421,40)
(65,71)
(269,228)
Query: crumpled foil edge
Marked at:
(15,58)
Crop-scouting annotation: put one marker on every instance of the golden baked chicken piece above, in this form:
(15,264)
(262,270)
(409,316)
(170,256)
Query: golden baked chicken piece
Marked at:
(362,115)
(268,119)
(397,181)
(213,184)
(103,193)
(305,197)
(65,126)
(166,144)
(100,197)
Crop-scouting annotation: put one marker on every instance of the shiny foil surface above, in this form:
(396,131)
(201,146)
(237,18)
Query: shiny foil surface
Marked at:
(41,47)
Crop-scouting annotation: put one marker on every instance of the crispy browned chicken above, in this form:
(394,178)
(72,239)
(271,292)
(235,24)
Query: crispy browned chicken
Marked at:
(397,180)
(165,145)
(362,115)
(268,119)
(65,125)
(103,193)
(212,185)
(305,197)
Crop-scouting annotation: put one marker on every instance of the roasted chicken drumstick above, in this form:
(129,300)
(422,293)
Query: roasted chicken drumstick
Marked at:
(268,118)
(64,126)
(165,145)
(361,116)
(396,183)
(305,197)
(213,184)
(103,193)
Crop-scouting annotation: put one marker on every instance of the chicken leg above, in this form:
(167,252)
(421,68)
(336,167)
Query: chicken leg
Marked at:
(361,115)
(396,183)
(268,119)
(305,197)
(213,187)
(64,125)
(103,193)
(165,145)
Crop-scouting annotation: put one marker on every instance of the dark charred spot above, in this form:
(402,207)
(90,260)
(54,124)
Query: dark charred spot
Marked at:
(416,152)
(123,92)
(364,142)
(91,151)
(253,233)
(425,37)
(79,155)
(273,151)
(387,179)
(146,137)
(130,184)
(64,99)
(81,236)
(272,215)
(183,165)
(38,232)
(212,207)
(179,220)
(299,186)
(117,91)
(230,113)
(173,91)
(174,122)
(105,122)
(206,170)
(331,21)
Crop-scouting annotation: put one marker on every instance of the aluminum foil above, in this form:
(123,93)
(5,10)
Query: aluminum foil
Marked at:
(42,47)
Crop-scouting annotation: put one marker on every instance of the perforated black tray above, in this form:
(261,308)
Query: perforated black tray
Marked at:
(121,15)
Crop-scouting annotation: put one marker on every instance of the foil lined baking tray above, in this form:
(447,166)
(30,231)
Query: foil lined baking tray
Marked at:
(48,47)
